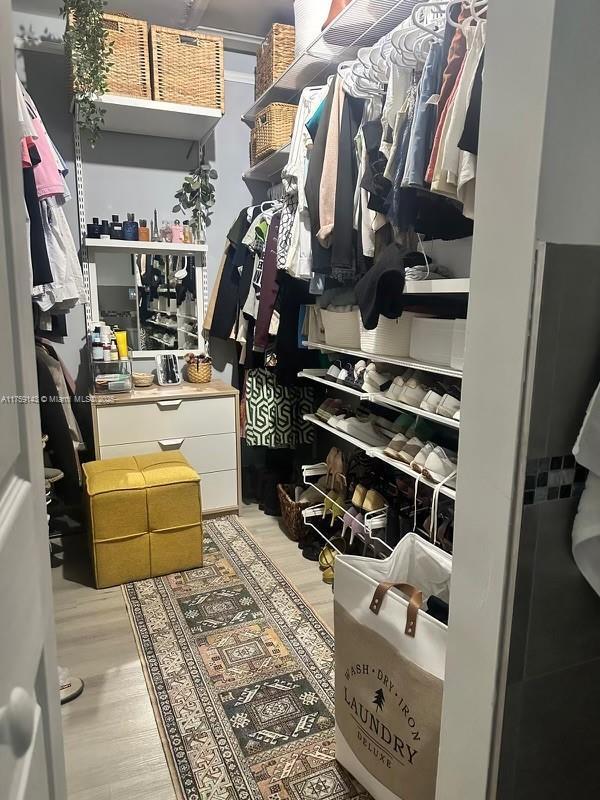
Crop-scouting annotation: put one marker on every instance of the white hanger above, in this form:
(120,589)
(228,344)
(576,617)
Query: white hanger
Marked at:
(430,23)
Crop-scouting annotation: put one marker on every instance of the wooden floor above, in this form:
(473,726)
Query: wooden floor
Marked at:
(112,747)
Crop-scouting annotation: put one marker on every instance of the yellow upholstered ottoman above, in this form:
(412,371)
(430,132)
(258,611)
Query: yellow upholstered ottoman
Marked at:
(144,515)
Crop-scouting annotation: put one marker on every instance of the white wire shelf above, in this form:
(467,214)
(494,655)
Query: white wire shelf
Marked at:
(377,452)
(269,169)
(402,362)
(361,24)
(122,246)
(188,333)
(316,375)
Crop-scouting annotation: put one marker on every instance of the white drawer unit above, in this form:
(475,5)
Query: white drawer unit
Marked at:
(200,422)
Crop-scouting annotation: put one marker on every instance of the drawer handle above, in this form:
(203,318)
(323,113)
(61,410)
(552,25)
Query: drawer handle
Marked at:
(171,444)
(169,403)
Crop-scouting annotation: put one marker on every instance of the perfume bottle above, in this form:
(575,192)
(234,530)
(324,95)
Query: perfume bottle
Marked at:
(166,233)
(93,229)
(97,351)
(144,231)
(187,232)
(105,230)
(130,229)
(116,228)
(177,232)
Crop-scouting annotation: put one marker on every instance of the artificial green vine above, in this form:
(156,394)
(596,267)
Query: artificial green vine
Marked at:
(198,196)
(89,50)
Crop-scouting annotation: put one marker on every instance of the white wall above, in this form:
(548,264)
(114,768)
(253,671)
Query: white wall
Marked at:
(131,173)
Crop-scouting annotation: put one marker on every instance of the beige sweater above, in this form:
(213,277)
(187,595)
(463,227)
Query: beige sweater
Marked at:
(330,168)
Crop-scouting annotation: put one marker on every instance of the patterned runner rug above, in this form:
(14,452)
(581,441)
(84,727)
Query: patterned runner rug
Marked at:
(240,672)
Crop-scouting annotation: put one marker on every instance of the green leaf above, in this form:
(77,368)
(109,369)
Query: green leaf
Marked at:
(213,174)
(176,209)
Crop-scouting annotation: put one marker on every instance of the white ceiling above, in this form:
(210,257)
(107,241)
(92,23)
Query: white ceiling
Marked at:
(243,16)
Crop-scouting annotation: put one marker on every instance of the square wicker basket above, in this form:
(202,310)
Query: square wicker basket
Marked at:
(272,130)
(187,67)
(276,54)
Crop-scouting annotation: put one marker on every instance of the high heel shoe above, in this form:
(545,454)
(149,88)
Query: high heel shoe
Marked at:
(348,519)
(358,498)
(373,501)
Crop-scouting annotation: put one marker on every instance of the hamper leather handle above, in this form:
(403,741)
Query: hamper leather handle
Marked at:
(415,602)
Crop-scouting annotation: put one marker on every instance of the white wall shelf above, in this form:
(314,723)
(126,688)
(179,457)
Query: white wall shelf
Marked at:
(361,24)
(377,452)
(441,286)
(402,362)
(156,118)
(122,246)
(317,375)
(269,169)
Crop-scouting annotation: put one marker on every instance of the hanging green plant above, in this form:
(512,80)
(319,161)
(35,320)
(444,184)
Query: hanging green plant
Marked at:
(89,51)
(197,195)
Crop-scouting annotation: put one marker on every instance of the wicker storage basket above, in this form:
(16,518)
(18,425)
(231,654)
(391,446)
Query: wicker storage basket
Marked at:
(391,337)
(199,374)
(342,328)
(291,512)
(273,129)
(129,72)
(187,67)
(274,57)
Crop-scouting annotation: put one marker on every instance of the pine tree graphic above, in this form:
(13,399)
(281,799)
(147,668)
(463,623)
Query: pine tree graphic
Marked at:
(379,699)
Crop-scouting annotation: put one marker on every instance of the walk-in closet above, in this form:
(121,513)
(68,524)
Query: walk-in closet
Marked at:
(299,493)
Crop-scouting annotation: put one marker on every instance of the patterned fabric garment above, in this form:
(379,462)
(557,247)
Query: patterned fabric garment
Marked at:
(288,213)
(275,414)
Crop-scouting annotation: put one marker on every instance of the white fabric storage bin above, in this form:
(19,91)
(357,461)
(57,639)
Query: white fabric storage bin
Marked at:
(391,337)
(431,340)
(342,328)
(309,16)
(459,334)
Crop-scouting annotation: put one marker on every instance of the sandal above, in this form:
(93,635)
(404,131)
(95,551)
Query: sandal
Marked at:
(358,498)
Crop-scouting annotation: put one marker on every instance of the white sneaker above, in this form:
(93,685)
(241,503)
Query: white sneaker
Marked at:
(440,464)
(393,393)
(410,450)
(448,407)
(457,416)
(419,461)
(374,381)
(413,392)
(431,402)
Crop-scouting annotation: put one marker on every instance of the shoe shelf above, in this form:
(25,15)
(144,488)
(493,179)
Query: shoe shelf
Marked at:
(377,452)
(401,362)
(361,24)
(316,375)
(188,333)
(162,325)
(121,246)
(269,169)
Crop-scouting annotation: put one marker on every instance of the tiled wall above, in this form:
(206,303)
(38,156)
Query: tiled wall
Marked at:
(551,732)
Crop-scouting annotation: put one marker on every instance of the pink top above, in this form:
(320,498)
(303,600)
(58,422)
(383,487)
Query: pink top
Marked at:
(48,179)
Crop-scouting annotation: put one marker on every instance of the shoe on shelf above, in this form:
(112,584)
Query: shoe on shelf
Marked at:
(396,446)
(393,393)
(422,429)
(335,419)
(456,416)
(363,431)
(375,381)
(410,450)
(352,376)
(414,390)
(358,498)
(374,501)
(328,407)
(431,401)
(419,460)
(333,372)
(441,465)
(448,406)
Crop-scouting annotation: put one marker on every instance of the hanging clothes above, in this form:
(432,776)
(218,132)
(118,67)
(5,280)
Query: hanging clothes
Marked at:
(275,413)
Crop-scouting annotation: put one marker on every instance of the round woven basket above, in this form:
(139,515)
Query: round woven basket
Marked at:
(199,374)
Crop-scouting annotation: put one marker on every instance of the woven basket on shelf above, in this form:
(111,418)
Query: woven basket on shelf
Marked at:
(273,129)
(187,67)
(291,512)
(275,55)
(129,72)
(199,374)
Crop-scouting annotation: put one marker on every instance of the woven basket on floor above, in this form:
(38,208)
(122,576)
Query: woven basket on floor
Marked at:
(187,67)
(199,374)
(274,57)
(272,129)
(129,72)
(291,512)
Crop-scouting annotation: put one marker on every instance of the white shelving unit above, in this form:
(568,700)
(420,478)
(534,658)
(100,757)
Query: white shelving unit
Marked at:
(269,169)
(316,375)
(441,286)
(361,24)
(156,118)
(377,452)
(402,362)
(122,246)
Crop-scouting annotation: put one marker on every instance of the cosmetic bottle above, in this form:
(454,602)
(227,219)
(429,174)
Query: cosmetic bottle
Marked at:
(116,228)
(130,229)
(105,230)
(106,351)
(93,229)
(165,231)
(97,352)
(144,231)
(114,351)
(187,232)
(177,232)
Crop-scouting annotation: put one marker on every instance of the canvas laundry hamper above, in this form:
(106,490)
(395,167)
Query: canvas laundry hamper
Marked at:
(388,690)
